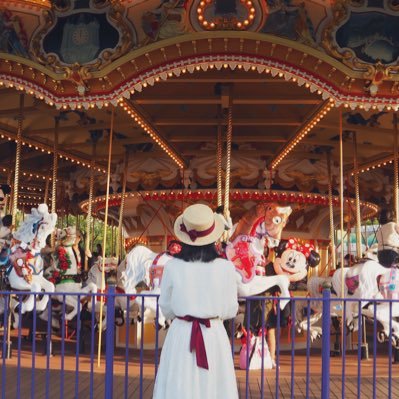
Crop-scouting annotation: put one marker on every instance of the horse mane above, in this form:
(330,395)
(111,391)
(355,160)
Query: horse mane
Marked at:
(25,232)
(248,220)
(29,227)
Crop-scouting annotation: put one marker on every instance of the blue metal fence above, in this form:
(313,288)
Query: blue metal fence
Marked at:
(48,357)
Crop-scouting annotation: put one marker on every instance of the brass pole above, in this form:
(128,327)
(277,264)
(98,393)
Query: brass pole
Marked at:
(219,155)
(7,202)
(20,119)
(396,168)
(357,200)
(122,207)
(18,158)
(46,190)
(55,170)
(349,227)
(105,237)
(331,208)
(228,162)
(90,207)
(341,195)
(112,239)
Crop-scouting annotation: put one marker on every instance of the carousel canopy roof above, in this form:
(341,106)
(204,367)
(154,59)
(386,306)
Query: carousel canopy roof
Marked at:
(169,70)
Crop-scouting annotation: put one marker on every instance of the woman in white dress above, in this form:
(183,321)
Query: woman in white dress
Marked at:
(198,291)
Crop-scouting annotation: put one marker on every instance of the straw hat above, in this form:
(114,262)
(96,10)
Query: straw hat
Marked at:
(198,225)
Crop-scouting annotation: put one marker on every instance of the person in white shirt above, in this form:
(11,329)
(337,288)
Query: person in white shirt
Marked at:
(199,291)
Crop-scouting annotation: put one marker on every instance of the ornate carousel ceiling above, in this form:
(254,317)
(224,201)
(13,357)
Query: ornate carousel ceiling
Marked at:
(176,66)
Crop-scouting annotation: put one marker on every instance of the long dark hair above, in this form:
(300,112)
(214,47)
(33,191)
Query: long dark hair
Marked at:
(190,253)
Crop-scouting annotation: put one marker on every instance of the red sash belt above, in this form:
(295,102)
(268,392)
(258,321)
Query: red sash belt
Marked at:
(197,340)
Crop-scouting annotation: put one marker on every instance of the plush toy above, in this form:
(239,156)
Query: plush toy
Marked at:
(293,259)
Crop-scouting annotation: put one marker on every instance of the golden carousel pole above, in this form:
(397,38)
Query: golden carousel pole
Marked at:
(54,177)
(46,190)
(219,155)
(105,237)
(331,209)
(357,200)
(17,158)
(341,196)
(119,237)
(90,207)
(228,162)
(396,168)
(15,199)
(8,203)
(359,234)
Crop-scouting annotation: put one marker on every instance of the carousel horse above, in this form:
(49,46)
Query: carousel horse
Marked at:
(94,278)
(146,266)
(260,226)
(65,271)
(369,281)
(25,265)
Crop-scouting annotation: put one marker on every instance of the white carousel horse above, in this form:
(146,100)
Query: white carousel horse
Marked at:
(368,282)
(95,277)
(143,265)
(25,270)
(65,272)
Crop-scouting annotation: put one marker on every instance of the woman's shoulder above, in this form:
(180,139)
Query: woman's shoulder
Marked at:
(224,263)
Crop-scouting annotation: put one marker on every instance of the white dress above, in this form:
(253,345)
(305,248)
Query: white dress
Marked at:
(203,290)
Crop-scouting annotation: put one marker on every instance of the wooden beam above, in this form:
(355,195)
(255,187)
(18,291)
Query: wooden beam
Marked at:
(77,130)
(320,142)
(196,138)
(12,112)
(245,153)
(360,129)
(217,101)
(215,121)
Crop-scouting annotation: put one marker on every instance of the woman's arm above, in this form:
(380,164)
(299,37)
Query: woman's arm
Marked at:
(166,294)
(231,293)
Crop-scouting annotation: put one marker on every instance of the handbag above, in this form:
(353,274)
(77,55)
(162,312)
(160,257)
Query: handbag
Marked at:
(255,352)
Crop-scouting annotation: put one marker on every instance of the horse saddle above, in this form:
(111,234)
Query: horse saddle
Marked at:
(352,283)
(239,252)
(18,260)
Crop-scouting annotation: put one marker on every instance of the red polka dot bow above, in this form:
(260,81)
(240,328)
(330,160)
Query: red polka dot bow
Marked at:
(306,249)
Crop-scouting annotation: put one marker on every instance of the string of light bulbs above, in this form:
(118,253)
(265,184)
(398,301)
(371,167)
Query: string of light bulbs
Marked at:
(152,133)
(49,150)
(303,132)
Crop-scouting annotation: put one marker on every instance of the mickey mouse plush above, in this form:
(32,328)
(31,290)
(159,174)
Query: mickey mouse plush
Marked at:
(293,259)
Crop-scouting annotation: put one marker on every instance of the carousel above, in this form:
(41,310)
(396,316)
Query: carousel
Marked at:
(280,115)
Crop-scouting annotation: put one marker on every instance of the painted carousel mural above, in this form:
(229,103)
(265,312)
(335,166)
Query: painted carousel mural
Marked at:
(279,115)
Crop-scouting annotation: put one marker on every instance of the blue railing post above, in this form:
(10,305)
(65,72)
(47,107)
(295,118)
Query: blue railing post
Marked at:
(325,348)
(109,342)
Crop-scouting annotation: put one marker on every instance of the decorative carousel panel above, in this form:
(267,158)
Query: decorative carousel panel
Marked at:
(363,34)
(14,33)
(297,20)
(77,38)
(162,19)
(238,15)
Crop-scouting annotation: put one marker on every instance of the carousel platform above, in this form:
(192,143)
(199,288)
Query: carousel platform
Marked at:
(83,379)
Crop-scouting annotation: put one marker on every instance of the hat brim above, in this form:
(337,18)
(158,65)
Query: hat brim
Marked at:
(200,241)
